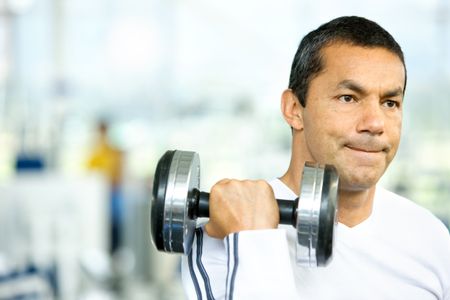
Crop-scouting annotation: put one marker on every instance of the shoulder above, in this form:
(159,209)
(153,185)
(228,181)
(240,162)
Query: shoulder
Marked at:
(399,212)
(387,200)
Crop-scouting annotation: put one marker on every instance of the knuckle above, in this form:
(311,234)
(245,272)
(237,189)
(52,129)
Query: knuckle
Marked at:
(262,184)
(216,190)
(235,184)
(244,183)
(220,184)
(223,181)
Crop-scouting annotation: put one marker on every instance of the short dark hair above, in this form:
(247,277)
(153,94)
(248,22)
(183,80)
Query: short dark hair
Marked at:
(357,31)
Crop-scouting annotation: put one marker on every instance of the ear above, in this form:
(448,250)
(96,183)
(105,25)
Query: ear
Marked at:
(292,110)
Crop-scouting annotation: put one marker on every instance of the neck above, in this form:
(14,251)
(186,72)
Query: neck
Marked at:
(355,206)
(293,175)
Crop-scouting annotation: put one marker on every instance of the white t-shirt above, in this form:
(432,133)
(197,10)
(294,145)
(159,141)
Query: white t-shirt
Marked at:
(400,252)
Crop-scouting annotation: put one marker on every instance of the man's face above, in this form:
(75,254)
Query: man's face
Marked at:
(353,113)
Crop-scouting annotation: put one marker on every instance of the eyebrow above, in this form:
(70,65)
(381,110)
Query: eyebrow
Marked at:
(354,86)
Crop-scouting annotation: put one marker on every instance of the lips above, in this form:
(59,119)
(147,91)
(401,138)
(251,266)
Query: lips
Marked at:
(368,150)
(368,147)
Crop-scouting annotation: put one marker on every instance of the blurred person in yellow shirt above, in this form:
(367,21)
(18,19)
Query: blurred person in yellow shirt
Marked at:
(107,159)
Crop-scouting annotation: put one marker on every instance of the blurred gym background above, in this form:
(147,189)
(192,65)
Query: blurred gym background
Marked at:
(92,93)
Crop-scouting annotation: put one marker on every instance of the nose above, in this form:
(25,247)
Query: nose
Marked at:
(371,119)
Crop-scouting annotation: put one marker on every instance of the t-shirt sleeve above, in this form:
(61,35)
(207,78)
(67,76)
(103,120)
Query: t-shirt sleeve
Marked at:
(246,265)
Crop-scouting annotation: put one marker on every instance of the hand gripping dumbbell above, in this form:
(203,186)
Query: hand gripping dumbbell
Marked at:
(178,203)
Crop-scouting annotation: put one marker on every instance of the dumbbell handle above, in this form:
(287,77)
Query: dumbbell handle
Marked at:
(199,208)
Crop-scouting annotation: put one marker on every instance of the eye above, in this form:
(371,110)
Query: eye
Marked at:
(346,98)
(391,104)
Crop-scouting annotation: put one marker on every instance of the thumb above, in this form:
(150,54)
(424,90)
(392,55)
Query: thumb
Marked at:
(212,231)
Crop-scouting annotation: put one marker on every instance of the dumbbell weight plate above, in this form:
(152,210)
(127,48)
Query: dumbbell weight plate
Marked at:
(177,176)
(316,215)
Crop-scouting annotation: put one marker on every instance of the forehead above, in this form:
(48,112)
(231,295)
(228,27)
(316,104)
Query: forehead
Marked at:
(370,65)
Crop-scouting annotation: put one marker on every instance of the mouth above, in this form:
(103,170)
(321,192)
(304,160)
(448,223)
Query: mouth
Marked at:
(367,149)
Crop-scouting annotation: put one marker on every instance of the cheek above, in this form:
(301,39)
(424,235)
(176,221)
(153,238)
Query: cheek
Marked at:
(395,142)
(395,133)
(321,136)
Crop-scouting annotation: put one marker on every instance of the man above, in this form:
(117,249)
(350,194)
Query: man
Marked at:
(344,105)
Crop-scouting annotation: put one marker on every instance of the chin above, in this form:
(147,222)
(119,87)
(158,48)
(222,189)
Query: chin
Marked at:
(354,187)
(358,182)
